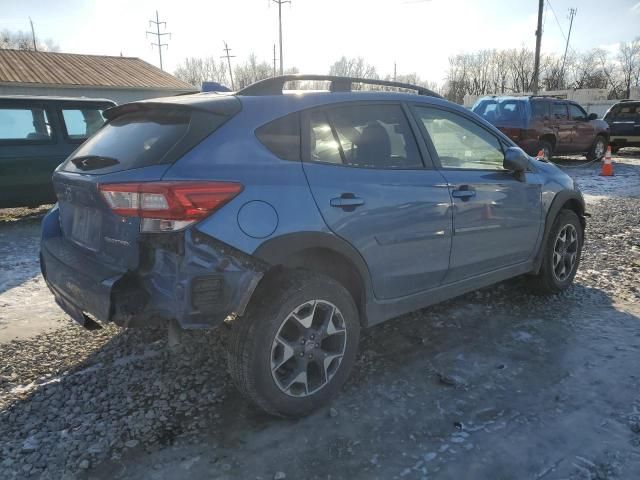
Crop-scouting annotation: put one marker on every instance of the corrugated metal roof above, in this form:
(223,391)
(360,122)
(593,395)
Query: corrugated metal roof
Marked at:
(67,69)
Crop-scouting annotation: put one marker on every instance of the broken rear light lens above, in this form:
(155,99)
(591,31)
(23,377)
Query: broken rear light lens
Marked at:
(168,206)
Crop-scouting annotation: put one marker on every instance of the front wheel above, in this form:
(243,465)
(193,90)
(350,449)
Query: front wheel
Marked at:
(546,148)
(293,349)
(561,255)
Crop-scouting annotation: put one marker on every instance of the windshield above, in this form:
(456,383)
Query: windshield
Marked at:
(506,111)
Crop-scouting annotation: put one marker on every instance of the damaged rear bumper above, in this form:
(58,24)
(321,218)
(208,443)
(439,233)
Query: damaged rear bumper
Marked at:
(187,276)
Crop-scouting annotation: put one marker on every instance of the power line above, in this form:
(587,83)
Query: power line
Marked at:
(280,2)
(557,21)
(159,36)
(229,57)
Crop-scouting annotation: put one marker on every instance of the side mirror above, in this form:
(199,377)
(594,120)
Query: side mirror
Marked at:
(515,160)
(592,116)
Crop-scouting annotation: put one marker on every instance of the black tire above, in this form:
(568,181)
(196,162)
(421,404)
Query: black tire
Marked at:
(252,340)
(547,281)
(547,148)
(599,145)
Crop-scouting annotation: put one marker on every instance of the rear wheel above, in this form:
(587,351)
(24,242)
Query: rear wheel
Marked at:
(293,349)
(598,148)
(561,255)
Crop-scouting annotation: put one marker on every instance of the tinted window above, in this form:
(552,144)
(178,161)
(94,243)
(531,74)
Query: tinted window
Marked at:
(560,111)
(82,123)
(539,110)
(461,143)
(137,139)
(502,111)
(24,124)
(630,112)
(282,137)
(577,113)
(368,136)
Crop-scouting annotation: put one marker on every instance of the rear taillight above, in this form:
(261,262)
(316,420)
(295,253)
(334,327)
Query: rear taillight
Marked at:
(168,206)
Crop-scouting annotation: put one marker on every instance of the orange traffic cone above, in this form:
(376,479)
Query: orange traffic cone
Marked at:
(540,155)
(607,164)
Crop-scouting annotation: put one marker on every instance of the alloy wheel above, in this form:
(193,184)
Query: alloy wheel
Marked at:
(308,348)
(565,252)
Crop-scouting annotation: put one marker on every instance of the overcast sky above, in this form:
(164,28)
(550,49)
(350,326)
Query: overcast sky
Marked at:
(417,34)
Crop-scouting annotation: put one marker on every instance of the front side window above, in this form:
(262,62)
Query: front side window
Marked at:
(81,123)
(459,142)
(577,113)
(560,111)
(366,136)
(27,124)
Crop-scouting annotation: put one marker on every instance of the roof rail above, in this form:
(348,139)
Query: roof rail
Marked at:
(559,97)
(274,85)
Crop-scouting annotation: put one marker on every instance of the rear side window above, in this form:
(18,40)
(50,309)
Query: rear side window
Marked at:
(24,124)
(539,110)
(81,123)
(366,136)
(629,112)
(282,136)
(560,111)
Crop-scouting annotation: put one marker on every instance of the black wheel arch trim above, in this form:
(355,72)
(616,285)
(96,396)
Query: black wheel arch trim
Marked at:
(277,250)
(559,201)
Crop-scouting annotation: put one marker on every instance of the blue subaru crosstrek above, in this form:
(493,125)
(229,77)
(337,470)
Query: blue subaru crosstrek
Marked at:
(294,219)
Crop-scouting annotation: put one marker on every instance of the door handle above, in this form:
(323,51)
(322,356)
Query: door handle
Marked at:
(347,201)
(463,193)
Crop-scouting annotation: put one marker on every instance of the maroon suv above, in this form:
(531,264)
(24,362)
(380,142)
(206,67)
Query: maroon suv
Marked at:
(550,124)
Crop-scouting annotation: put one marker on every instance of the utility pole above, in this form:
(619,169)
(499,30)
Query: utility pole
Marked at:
(572,13)
(280,2)
(536,67)
(274,59)
(33,35)
(229,57)
(159,36)
(394,71)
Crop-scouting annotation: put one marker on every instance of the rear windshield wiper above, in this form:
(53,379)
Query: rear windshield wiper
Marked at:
(93,162)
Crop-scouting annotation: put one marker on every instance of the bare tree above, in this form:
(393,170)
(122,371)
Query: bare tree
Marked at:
(19,40)
(197,70)
(251,71)
(353,67)
(629,58)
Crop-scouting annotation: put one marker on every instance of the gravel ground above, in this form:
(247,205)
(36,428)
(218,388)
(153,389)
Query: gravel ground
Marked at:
(497,384)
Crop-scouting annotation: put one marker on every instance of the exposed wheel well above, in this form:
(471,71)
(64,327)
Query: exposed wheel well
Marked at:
(326,262)
(549,138)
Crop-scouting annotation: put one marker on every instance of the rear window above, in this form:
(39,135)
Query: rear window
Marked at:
(142,139)
(282,136)
(511,112)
